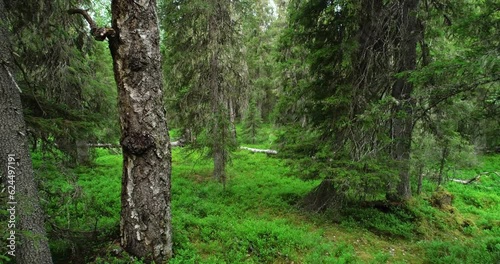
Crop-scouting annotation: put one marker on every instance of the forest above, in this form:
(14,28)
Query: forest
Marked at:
(249,131)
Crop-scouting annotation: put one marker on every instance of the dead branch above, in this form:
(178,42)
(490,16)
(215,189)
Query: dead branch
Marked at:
(475,178)
(99,34)
(85,14)
(467,181)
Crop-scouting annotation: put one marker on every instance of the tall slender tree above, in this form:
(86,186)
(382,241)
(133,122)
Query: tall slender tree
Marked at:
(27,218)
(260,29)
(134,42)
(219,93)
(205,73)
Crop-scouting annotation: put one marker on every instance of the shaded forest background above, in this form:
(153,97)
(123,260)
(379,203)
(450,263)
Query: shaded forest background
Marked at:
(370,105)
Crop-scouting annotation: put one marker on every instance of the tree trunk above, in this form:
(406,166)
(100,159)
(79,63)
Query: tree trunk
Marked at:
(82,152)
(218,93)
(402,121)
(420,178)
(219,138)
(217,129)
(442,162)
(145,224)
(232,118)
(27,238)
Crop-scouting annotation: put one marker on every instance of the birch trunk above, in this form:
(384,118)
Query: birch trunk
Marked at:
(145,224)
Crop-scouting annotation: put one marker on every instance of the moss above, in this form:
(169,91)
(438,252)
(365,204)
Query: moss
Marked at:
(443,200)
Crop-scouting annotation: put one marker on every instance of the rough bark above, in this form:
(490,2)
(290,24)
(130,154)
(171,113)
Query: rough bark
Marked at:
(218,94)
(420,179)
(82,152)
(217,126)
(145,218)
(134,42)
(402,121)
(442,162)
(31,244)
(232,118)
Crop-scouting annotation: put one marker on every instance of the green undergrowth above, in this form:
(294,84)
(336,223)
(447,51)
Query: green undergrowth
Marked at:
(255,218)
(248,220)
(82,203)
(476,213)
(265,138)
(468,231)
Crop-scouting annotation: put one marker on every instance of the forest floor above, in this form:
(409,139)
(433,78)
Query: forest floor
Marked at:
(255,218)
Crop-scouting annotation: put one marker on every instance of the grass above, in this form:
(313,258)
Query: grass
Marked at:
(476,215)
(248,221)
(255,220)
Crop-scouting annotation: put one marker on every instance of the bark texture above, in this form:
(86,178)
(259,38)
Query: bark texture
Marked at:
(31,239)
(402,122)
(145,218)
(218,90)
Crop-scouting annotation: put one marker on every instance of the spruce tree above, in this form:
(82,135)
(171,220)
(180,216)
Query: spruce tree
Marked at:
(205,73)
(27,238)
(252,122)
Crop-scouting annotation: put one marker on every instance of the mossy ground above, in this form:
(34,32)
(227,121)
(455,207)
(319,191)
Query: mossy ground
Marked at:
(254,219)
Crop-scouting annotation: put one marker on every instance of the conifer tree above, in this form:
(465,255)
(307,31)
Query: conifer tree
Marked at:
(252,122)
(205,73)
(68,85)
(355,86)
(27,238)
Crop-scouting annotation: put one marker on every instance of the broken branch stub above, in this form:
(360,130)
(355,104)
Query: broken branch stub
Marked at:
(99,33)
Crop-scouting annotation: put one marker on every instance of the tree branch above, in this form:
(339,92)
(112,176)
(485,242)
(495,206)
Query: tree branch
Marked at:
(86,15)
(454,91)
(98,33)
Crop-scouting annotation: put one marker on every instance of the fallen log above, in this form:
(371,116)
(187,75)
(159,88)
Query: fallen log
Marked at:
(180,143)
(476,178)
(267,151)
(467,181)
